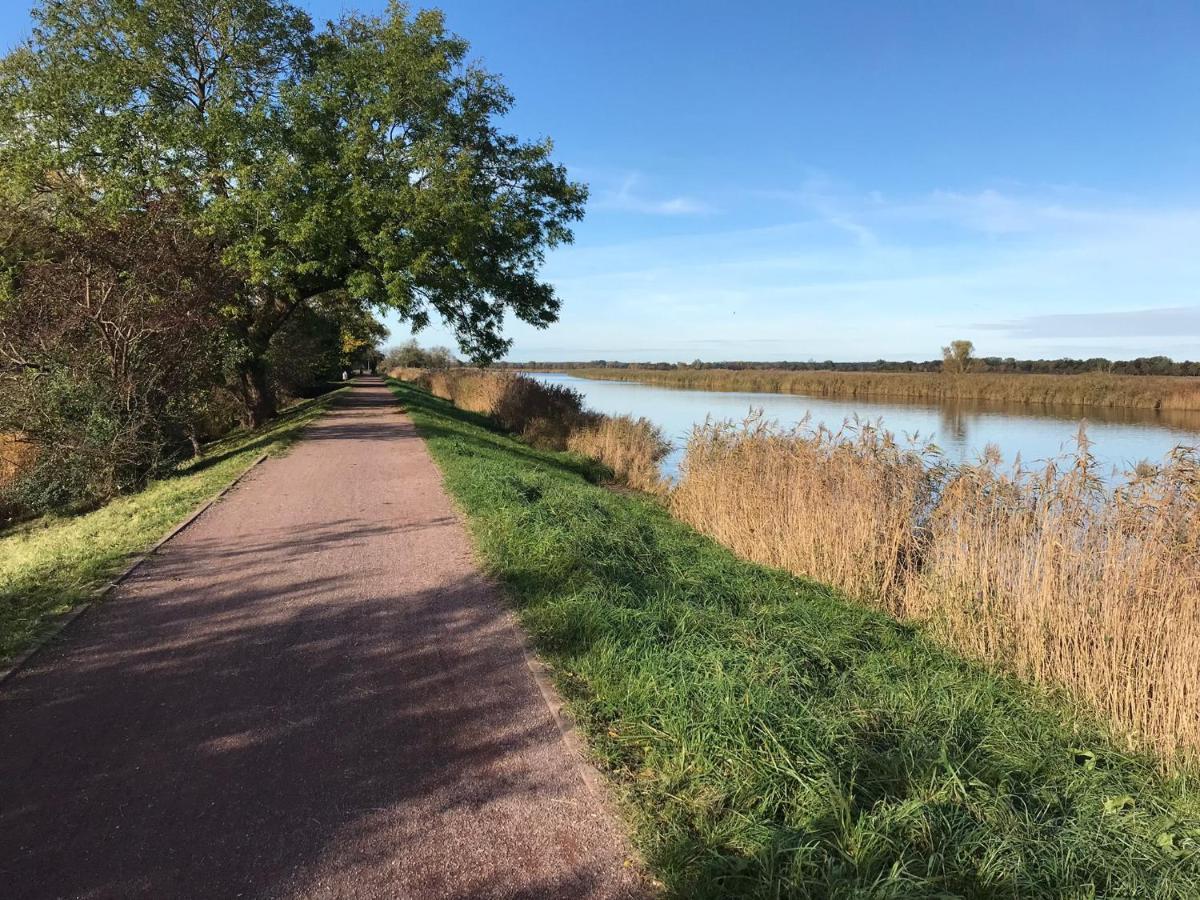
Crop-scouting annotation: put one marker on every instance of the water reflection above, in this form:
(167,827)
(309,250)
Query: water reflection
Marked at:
(961,428)
(954,423)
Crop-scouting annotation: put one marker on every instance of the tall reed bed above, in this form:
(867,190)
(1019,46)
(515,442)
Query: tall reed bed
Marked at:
(1044,572)
(632,448)
(406,373)
(554,417)
(1095,389)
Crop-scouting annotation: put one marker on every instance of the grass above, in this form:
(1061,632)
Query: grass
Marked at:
(1041,571)
(1094,389)
(769,738)
(52,564)
(554,417)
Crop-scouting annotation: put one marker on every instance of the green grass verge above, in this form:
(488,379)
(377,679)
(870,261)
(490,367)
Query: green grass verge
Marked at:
(769,739)
(52,564)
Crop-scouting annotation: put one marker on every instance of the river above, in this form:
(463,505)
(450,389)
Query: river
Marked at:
(962,428)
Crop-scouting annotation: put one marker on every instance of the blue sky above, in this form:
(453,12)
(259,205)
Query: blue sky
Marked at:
(858,180)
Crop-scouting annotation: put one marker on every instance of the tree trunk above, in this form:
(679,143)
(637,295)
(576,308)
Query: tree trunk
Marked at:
(258,400)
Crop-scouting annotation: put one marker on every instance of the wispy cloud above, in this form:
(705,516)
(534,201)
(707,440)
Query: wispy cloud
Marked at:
(832,203)
(1173,322)
(629,197)
(831,272)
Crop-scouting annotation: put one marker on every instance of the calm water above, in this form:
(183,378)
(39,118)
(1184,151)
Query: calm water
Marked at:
(1121,437)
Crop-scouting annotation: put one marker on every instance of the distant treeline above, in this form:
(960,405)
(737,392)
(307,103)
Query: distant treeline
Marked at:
(1143,365)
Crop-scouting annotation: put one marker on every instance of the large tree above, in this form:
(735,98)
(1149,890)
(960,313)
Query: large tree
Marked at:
(361,164)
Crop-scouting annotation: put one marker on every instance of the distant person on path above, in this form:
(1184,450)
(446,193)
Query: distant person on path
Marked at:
(345,375)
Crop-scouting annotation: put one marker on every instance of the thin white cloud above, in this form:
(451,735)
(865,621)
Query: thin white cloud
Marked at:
(627,197)
(847,274)
(832,203)
(1171,322)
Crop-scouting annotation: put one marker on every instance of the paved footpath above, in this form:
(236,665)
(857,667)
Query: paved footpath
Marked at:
(310,692)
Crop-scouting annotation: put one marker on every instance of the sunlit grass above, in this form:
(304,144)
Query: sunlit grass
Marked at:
(769,738)
(554,417)
(1042,571)
(52,564)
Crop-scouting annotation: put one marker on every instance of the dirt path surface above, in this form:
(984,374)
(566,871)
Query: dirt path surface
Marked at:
(310,692)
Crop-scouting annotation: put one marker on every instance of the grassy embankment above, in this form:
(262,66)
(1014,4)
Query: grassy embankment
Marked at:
(555,418)
(1042,572)
(769,738)
(1121,391)
(52,564)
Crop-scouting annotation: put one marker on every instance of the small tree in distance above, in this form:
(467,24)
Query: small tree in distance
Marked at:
(958,357)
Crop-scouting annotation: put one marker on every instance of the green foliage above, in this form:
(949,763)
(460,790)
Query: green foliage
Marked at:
(770,739)
(87,451)
(51,564)
(411,355)
(110,354)
(295,182)
(317,344)
(360,336)
(361,164)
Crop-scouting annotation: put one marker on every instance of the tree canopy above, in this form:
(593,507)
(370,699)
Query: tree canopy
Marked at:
(958,357)
(361,163)
(310,179)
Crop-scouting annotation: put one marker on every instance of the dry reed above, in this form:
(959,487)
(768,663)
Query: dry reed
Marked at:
(405,373)
(1093,389)
(632,448)
(834,506)
(1046,573)
(554,417)
(15,455)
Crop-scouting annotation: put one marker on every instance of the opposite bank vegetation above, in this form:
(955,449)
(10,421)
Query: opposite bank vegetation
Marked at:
(1092,389)
(769,738)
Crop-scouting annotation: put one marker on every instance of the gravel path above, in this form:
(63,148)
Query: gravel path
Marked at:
(310,692)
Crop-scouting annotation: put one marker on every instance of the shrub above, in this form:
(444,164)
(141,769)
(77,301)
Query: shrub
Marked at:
(543,414)
(111,351)
(411,355)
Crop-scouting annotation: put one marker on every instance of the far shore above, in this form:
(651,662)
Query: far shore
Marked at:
(1098,389)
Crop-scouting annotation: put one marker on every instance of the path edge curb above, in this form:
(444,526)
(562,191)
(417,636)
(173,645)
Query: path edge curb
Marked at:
(543,677)
(64,620)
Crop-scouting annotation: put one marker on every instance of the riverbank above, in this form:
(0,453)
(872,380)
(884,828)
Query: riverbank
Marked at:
(1097,390)
(52,564)
(768,737)
(1051,572)
(995,558)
